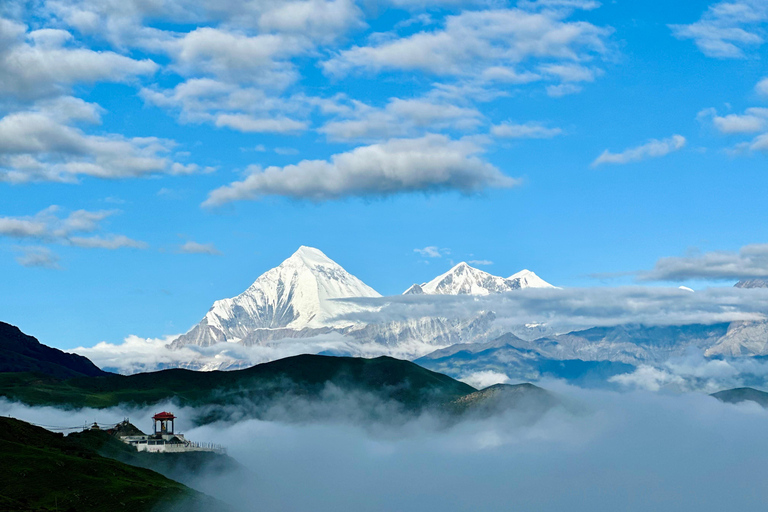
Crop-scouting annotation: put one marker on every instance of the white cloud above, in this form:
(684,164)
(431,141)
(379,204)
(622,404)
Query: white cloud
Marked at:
(524,131)
(727,29)
(751,261)
(322,20)
(50,226)
(652,149)
(35,256)
(247,109)
(481,263)
(125,24)
(135,354)
(649,378)
(695,372)
(249,124)
(484,379)
(560,90)
(473,41)
(570,72)
(432,251)
(762,87)
(760,143)
(429,164)
(565,310)
(236,57)
(192,247)
(110,242)
(400,118)
(287,151)
(41,144)
(46,66)
(586,5)
(753,120)
(22,228)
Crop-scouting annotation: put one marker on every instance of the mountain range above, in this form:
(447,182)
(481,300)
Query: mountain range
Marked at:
(308,294)
(311,297)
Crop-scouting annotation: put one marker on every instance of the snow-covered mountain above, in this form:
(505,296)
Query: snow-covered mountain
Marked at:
(295,297)
(463,279)
(293,308)
(297,300)
(528,279)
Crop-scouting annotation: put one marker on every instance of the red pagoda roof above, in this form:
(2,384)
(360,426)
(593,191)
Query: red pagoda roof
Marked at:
(163,416)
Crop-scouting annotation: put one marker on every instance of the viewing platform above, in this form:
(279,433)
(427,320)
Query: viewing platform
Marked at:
(163,440)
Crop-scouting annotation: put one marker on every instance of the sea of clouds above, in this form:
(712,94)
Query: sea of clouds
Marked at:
(604,451)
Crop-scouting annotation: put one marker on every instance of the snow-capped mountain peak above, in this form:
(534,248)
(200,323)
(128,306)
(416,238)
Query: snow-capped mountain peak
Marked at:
(309,257)
(464,279)
(528,279)
(297,294)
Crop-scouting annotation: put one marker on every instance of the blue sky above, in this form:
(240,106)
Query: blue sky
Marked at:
(157,156)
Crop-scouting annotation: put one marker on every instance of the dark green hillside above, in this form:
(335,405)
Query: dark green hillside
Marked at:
(304,376)
(738,395)
(22,353)
(42,470)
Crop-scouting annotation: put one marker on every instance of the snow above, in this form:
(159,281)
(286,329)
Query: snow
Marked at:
(297,299)
(529,279)
(463,279)
(297,294)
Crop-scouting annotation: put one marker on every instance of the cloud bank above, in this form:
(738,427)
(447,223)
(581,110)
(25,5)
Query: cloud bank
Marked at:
(634,452)
(575,308)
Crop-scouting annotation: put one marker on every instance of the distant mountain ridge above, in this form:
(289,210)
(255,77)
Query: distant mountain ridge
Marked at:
(22,353)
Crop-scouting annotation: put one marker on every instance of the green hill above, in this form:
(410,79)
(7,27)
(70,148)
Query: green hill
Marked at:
(22,353)
(41,470)
(254,389)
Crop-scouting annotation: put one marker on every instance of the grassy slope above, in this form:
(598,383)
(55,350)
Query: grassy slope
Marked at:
(43,470)
(304,375)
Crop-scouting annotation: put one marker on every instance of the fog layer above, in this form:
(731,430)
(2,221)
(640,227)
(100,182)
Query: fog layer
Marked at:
(633,451)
